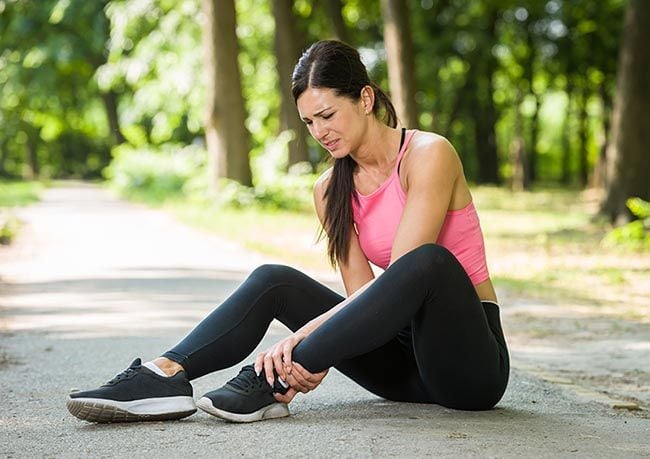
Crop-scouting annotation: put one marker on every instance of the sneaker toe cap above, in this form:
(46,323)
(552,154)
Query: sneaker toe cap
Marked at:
(227,400)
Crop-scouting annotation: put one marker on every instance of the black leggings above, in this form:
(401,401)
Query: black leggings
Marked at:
(419,333)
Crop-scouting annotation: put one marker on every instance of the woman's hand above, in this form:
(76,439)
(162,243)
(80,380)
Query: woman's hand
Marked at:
(300,380)
(278,357)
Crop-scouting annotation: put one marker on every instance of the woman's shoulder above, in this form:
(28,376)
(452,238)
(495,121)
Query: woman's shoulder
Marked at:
(428,141)
(430,148)
(321,183)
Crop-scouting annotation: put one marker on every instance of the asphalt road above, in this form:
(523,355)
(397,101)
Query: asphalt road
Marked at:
(94,282)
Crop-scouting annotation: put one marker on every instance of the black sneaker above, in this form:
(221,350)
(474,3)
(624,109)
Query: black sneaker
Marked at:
(136,394)
(245,398)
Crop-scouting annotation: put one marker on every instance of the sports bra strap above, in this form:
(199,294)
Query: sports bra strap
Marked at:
(401,147)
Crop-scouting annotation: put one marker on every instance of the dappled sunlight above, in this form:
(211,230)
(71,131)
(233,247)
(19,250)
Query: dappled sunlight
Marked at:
(112,307)
(546,245)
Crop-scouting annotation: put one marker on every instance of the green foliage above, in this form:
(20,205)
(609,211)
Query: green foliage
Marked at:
(154,56)
(14,194)
(635,234)
(19,193)
(274,188)
(49,104)
(154,173)
(173,172)
(9,226)
(475,60)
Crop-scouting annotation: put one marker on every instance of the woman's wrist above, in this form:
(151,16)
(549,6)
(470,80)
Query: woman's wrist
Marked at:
(304,331)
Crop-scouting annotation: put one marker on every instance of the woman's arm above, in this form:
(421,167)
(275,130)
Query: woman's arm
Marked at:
(432,173)
(356,271)
(357,276)
(430,188)
(430,182)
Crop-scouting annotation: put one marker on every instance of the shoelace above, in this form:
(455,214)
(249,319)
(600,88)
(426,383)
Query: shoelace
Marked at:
(124,375)
(247,379)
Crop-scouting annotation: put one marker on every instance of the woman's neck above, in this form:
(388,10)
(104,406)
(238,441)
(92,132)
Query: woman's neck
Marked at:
(379,147)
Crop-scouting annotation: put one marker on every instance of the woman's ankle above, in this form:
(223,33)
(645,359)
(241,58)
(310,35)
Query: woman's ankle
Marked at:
(169,367)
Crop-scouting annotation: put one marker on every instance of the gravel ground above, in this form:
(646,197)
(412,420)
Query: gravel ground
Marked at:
(93,282)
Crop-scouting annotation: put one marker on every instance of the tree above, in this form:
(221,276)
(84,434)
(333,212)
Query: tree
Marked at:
(399,51)
(287,51)
(481,90)
(228,140)
(627,155)
(333,10)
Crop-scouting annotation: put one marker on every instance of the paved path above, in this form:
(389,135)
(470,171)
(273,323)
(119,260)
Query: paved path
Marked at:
(93,282)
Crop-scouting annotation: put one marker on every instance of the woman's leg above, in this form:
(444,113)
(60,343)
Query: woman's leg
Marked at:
(458,346)
(236,327)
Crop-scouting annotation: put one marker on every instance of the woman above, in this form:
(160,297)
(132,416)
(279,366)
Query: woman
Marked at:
(426,330)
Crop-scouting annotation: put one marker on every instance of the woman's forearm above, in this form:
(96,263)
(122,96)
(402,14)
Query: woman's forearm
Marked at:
(318,321)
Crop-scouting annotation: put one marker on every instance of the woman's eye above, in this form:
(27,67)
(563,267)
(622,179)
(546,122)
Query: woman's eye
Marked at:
(328,116)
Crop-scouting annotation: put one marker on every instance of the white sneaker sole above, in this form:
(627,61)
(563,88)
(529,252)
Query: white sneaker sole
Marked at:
(148,409)
(275,410)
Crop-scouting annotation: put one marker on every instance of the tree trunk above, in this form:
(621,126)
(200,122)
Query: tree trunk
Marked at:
(582,136)
(3,156)
(599,177)
(228,140)
(534,136)
(520,178)
(32,154)
(529,74)
(110,103)
(488,158)
(401,67)
(287,53)
(484,116)
(628,158)
(565,176)
(333,11)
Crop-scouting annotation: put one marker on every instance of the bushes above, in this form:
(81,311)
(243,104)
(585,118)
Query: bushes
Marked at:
(9,226)
(15,194)
(287,192)
(180,172)
(635,234)
(154,174)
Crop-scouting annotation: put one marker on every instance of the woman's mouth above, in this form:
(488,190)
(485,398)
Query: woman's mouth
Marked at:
(331,145)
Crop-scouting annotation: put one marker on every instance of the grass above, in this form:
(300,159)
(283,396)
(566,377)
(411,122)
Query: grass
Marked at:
(544,244)
(287,236)
(15,194)
(19,193)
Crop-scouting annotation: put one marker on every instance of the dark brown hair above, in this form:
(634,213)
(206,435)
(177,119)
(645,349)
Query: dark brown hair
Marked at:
(337,65)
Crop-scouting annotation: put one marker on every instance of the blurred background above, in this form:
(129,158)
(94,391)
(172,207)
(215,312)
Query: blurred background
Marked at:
(186,104)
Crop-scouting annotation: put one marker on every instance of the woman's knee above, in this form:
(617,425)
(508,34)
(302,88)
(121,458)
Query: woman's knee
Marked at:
(430,256)
(272,273)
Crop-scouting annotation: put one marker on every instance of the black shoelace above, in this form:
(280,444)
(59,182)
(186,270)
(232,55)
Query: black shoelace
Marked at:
(247,380)
(124,375)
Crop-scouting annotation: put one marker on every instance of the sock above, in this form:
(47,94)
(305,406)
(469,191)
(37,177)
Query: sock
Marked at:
(155,368)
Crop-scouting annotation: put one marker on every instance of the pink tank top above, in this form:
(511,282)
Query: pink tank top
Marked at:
(377,216)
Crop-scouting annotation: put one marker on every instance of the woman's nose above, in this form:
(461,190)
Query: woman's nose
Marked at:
(319,131)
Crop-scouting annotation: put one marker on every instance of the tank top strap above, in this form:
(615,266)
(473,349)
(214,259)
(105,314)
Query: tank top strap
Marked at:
(407,139)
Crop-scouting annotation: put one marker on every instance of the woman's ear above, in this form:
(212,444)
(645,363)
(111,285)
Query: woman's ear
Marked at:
(367,99)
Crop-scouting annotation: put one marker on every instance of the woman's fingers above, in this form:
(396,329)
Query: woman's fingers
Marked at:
(286,357)
(298,380)
(268,368)
(297,384)
(286,398)
(277,362)
(259,362)
(306,378)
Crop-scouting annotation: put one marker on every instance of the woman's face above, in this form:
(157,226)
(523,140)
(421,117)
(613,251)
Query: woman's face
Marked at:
(336,122)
